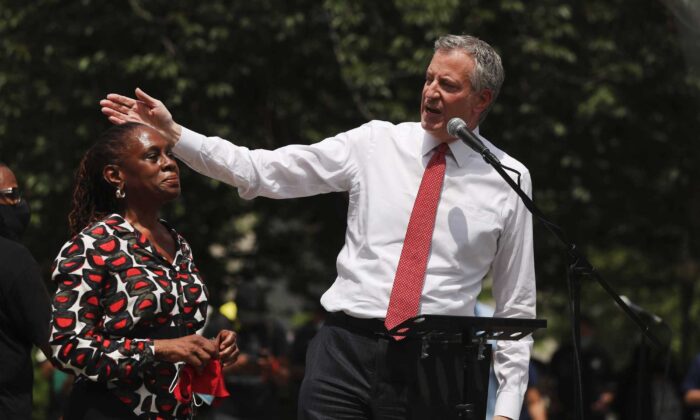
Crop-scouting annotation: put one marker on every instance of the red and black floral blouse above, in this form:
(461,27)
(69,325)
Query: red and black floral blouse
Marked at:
(113,290)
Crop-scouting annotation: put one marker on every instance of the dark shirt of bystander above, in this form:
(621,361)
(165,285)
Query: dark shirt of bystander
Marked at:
(24,321)
(691,389)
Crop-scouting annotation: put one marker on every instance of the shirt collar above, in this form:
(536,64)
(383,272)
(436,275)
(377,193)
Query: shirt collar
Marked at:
(460,151)
(123,229)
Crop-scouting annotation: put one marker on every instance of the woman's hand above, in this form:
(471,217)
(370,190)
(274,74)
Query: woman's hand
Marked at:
(194,350)
(144,110)
(228,349)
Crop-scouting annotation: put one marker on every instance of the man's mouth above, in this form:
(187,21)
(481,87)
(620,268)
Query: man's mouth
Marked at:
(432,110)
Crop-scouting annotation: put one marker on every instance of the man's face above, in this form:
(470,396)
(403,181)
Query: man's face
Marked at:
(7,181)
(448,93)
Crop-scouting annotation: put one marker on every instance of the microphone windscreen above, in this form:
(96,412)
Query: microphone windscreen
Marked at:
(454,125)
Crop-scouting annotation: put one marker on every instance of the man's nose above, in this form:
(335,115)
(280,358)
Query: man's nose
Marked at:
(432,91)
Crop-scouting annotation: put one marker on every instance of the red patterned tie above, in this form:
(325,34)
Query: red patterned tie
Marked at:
(410,274)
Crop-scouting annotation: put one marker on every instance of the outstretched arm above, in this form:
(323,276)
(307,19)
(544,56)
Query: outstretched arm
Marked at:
(144,109)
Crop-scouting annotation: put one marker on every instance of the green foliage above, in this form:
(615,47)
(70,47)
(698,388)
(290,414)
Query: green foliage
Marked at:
(598,102)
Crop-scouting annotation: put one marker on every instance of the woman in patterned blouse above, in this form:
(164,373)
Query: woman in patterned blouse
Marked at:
(129,296)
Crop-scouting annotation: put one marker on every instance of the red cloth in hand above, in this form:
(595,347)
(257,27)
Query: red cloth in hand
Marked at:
(210,381)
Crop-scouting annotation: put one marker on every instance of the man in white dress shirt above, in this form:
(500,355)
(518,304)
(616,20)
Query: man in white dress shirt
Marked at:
(354,369)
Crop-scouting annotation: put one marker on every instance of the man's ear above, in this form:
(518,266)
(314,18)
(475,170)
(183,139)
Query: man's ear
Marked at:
(113,175)
(485,97)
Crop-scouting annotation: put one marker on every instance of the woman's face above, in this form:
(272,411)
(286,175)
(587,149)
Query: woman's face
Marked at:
(149,169)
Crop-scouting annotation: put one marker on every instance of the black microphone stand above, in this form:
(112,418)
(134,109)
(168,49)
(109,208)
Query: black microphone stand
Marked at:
(578,267)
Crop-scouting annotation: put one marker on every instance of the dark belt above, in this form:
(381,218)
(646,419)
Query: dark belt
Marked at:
(371,327)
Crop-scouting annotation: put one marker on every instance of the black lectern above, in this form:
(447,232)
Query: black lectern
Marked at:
(464,339)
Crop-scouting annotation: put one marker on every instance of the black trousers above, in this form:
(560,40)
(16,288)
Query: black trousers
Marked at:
(355,371)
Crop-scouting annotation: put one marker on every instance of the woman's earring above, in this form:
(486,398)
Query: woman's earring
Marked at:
(119,193)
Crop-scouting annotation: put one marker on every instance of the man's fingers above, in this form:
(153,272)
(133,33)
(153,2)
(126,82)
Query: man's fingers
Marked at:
(146,98)
(110,111)
(120,108)
(116,106)
(121,99)
(116,121)
(114,116)
(143,109)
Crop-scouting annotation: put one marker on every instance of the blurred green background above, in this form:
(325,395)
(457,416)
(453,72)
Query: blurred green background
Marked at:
(600,101)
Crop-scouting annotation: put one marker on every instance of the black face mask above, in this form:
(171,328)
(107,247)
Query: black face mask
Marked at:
(14,220)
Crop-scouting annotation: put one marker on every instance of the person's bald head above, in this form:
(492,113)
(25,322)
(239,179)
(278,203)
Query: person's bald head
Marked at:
(14,212)
(7,181)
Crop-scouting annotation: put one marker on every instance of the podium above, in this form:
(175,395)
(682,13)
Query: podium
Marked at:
(464,342)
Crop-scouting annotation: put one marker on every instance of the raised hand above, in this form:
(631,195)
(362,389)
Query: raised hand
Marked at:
(144,109)
(228,349)
(194,350)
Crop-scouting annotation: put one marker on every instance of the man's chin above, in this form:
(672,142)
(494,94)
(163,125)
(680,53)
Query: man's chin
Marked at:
(436,129)
(429,125)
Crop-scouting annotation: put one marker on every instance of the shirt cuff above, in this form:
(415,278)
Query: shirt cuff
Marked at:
(189,145)
(509,405)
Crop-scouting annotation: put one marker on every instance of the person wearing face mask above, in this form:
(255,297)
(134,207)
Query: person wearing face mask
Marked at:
(14,211)
(25,308)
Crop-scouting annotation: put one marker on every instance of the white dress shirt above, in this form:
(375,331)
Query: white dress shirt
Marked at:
(481,223)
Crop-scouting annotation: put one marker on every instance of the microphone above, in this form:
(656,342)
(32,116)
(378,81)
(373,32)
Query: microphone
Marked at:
(456,127)
(641,311)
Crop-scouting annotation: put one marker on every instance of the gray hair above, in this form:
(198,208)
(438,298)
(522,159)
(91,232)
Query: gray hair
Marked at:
(488,69)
